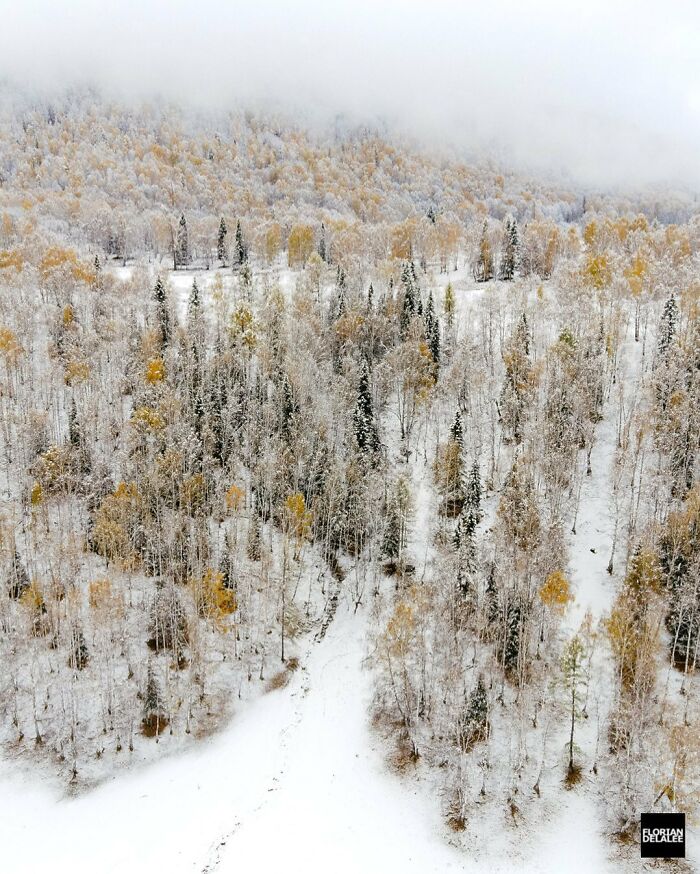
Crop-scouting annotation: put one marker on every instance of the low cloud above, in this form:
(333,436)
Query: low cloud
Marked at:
(606,93)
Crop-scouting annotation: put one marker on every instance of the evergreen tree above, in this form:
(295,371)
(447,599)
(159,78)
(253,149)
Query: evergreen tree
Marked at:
(667,327)
(408,309)
(391,538)
(322,243)
(153,713)
(473,492)
(370,298)
(97,267)
(226,565)
(75,433)
(241,248)
(288,408)
(465,528)
(221,242)
(182,256)
(162,314)
(432,329)
(509,256)
(510,650)
(466,558)
(456,430)
(193,305)
(364,426)
(473,721)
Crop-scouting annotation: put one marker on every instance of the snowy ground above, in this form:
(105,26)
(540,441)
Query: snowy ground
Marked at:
(296,782)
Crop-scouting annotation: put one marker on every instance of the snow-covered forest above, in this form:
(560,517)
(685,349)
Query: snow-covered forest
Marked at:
(335,467)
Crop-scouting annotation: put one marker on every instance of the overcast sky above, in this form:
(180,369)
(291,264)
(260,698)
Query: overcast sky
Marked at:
(606,90)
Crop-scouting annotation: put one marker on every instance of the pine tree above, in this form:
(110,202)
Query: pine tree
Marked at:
(432,329)
(322,243)
(509,255)
(182,256)
(466,526)
(510,651)
(473,492)
(370,298)
(341,305)
(473,724)
(408,309)
(667,327)
(153,716)
(288,408)
(75,432)
(391,538)
(456,430)
(193,304)
(162,313)
(221,242)
(241,248)
(364,426)
(466,558)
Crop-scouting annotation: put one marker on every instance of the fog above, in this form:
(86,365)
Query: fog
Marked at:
(607,93)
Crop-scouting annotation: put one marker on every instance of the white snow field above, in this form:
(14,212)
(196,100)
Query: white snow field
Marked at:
(296,782)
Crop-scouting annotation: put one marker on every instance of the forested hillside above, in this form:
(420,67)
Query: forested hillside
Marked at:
(255,373)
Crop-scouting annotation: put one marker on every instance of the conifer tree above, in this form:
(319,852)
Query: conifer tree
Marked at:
(667,327)
(241,248)
(182,257)
(322,243)
(288,408)
(473,721)
(457,431)
(221,242)
(193,305)
(408,309)
(154,718)
(364,426)
(162,314)
(509,254)
(466,557)
(391,539)
(473,492)
(432,329)
(75,433)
